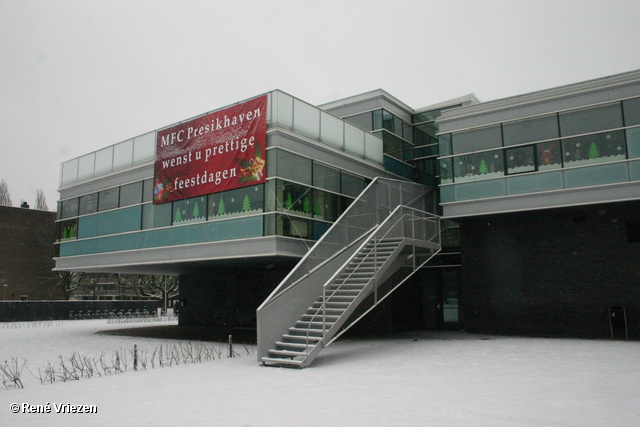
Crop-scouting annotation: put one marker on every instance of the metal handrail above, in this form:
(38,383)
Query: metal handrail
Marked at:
(426,216)
(279,289)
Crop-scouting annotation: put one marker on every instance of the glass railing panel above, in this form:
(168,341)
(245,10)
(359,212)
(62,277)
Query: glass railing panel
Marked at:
(86,165)
(123,154)
(332,130)
(104,160)
(144,147)
(69,172)
(353,140)
(306,119)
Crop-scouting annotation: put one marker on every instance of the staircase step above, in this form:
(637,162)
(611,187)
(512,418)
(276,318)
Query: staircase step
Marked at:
(283,345)
(331,305)
(300,338)
(317,311)
(287,353)
(288,363)
(302,324)
(304,332)
(318,317)
(345,287)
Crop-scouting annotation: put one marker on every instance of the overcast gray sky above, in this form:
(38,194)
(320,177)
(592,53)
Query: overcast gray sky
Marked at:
(78,75)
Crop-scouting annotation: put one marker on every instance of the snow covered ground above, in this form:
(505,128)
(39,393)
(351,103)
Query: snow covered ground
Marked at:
(411,379)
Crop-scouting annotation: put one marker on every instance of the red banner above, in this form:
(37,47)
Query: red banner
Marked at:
(220,151)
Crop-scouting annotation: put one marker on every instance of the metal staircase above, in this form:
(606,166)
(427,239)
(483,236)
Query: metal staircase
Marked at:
(350,270)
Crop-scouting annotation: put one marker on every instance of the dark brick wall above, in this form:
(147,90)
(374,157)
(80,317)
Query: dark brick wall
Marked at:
(552,272)
(26,254)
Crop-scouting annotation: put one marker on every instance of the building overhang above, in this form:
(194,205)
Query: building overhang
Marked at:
(182,259)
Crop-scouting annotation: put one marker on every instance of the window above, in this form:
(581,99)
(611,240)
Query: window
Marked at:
(294,199)
(293,167)
(131,194)
(352,185)
(477,139)
(108,199)
(327,206)
(70,208)
(591,120)
(68,230)
(597,148)
(241,201)
(549,155)
(364,120)
(147,190)
(479,165)
(326,177)
(520,160)
(444,144)
(446,171)
(190,210)
(89,204)
(532,130)
(631,109)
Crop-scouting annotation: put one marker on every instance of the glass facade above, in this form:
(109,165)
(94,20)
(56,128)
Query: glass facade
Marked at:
(301,198)
(567,145)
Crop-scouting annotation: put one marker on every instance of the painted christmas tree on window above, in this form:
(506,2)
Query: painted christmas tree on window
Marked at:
(594,153)
(483,167)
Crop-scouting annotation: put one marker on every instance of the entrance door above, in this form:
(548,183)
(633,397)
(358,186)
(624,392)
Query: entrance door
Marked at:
(441,287)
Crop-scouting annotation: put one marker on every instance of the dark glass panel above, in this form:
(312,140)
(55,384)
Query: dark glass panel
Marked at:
(326,177)
(131,194)
(327,206)
(479,165)
(631,109)
(597,148)
(70,208)
(108,199)
(377,119)
(241,201)
(190,210)
(68,230)
(294,167)
(530,130)
(520,159)
(147,190)
(591,120)
(477,139)
(444,144)
(549,155)
(387,120)
(364,120)
(89,203)
(446,171)
(352,185)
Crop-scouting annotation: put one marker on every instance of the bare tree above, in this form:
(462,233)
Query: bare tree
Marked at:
(70,281)
(160,287)
(5,197)
(41,200)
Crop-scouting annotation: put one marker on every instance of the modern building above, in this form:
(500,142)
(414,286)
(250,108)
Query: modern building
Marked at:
(511,216)
(546,189)
(26,255)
